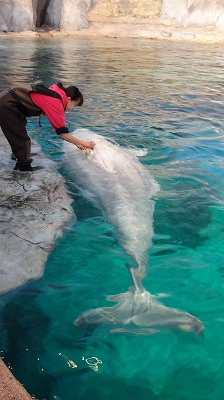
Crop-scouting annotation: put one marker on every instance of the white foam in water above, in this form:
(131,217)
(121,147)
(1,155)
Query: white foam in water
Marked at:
(116,182)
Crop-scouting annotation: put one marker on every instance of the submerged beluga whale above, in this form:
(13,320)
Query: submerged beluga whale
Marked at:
(113,179)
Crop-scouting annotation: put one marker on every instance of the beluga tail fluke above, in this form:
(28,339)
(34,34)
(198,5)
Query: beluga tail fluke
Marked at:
(139,308)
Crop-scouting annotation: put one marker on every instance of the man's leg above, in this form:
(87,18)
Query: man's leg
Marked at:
(13,124)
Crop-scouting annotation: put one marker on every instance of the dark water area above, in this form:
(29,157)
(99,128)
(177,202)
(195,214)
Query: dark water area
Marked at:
(166,100)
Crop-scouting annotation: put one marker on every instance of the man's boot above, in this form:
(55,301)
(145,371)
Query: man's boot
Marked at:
(23,166)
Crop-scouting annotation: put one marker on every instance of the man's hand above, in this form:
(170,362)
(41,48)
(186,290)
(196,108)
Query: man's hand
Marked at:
(83,145)
(79,143)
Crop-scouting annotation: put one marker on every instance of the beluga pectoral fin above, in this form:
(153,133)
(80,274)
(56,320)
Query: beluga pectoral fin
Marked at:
(159,315)
(131,331)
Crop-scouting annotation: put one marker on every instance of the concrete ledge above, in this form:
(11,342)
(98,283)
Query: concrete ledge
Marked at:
(10,388)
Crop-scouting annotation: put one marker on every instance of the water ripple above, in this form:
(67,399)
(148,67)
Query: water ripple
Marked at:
(166,100)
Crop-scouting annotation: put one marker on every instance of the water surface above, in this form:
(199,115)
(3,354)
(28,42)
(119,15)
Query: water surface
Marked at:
(165,98)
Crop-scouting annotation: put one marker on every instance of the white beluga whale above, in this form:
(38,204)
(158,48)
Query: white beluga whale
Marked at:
(113,179)
(117,183)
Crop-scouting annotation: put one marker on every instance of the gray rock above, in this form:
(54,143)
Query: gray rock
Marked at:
(19,15)
(193,13)
(220,22)
(5,15)
(34,208)
(187,36)
(68,15)
(166,34)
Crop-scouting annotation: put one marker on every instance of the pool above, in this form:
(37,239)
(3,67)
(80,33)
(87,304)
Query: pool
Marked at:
(165,99)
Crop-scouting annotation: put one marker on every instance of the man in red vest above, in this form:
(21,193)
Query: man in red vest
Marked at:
(18,103)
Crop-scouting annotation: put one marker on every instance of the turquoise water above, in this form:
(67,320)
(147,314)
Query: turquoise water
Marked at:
(166,98)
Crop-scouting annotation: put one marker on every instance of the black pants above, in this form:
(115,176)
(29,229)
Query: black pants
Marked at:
(13,123)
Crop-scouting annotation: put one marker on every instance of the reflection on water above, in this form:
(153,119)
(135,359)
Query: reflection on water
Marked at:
(166,98)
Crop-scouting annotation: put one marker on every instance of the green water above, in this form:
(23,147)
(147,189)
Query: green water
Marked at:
(166,98)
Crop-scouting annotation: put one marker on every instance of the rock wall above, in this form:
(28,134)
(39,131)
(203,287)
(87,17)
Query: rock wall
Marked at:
(73,15)
(68,15)
(195,13)
(135,8)
(21,15)
(34,207)
(17,15)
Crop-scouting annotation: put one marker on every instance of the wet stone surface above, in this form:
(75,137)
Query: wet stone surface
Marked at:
(34,207)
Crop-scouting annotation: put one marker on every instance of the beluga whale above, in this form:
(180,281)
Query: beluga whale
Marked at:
(113,179)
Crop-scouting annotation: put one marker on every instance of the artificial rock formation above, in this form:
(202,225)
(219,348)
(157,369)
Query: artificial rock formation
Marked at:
(18,15)
(21,15)
(195,13)
(73,15)
(119,8)
(68,15)
(34,208)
